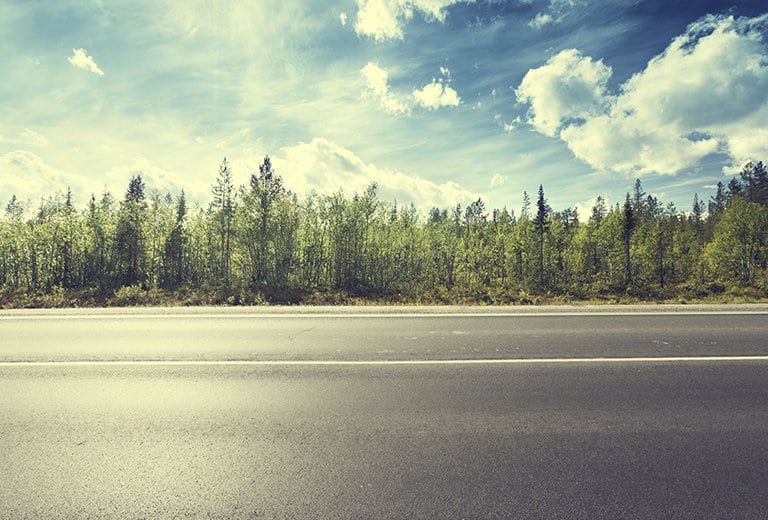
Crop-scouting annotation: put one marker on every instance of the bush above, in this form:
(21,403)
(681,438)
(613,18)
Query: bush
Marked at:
(137,295)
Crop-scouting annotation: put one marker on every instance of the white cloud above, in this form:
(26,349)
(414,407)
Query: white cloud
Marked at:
(438,93)
(27,176)
(584,209)
(377,84)
(343,19)
(541,20)
(376,78)
(325,167)
(155,178)
(511,126)
(748,142)
(707,92)
(568,87)
(379,19)
(556,11)
(384,19)
(432,96)
(81,60)
(498,180)
(30,178)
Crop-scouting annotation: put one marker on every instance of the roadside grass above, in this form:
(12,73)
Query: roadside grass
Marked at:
(136,295)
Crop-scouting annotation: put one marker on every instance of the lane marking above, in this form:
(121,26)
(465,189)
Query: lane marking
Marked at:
(531,361)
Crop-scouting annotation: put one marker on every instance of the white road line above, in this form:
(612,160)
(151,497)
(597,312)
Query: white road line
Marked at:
(532,361)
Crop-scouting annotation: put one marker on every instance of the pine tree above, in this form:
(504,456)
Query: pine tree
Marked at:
(223,209)
(259,204)
(69,255)
(718,201)
(14,209)
(760,175)
(628,225)
(175,246)
(598,210)
(100,228)
(754,180)
(129,238)
(735,189)
(525,212)
(639,202)
(542,226)
(696,216)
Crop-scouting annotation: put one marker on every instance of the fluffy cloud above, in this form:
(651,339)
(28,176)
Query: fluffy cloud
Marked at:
(567,88)
(384,19)
(377,83)
(706,93)
(81,60)
(325,167)
(432,96)
(438,93)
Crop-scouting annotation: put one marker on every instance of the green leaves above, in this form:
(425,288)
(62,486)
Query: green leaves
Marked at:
(261,243)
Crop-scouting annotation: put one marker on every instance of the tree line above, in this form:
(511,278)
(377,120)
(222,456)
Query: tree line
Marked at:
(261,243)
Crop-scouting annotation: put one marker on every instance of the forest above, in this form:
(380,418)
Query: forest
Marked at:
(262,244)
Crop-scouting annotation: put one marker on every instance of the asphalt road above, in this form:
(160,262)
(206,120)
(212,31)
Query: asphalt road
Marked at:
(369,334)
(110,414)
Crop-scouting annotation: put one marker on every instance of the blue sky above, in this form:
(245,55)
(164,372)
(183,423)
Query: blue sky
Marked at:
(439,101)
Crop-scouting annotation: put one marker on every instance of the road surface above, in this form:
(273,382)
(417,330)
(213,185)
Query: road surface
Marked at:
(384,414)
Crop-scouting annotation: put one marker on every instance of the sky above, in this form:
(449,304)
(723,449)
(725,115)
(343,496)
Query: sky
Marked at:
(437,101)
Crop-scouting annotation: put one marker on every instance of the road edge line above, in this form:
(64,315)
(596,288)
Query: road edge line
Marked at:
(414,362)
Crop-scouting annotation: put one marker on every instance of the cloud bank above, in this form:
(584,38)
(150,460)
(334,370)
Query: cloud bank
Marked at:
(31,178)
(706,93)
(27,176)
(325,167)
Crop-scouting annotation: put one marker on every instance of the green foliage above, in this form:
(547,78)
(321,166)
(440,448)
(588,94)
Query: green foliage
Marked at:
(130,244)
(221,225)
(261,245)
(738,253)
(130,295)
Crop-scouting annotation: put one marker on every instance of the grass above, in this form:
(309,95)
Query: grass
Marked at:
(135,295)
